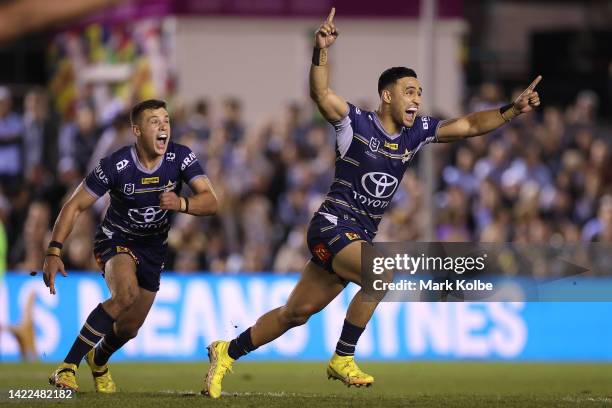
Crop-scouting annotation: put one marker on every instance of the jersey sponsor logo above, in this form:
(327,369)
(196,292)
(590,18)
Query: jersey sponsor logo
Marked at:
(121,164)
(129,188)
(425,121)
(147,215)
(100,174)
(321,252)
(374,144)
(352,235)
(391,146)
(149,180)
(379,184)
(188,161)
(170,156)
(406,156)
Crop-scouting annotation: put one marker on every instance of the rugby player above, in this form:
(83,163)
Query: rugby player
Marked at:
(143,181)
(373,150)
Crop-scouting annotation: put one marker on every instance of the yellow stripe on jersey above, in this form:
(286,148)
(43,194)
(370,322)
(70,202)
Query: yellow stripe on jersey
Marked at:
(343,182)
(349,160)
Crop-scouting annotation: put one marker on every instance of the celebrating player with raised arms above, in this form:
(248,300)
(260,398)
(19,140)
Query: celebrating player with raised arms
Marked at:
(373,150)
(143,181)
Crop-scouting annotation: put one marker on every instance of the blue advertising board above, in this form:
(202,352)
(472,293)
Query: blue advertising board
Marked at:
(192,310)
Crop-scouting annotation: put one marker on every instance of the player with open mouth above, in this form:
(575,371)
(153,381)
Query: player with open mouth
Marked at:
(366,166)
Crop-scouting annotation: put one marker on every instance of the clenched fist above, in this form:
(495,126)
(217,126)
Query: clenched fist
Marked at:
(168,200)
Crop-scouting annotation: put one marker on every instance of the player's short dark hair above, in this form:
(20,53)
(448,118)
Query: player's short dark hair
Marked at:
(393,74)
(143,106)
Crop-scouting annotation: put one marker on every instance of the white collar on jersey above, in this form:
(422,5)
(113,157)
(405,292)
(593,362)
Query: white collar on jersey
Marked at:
(139,165)
(380,127)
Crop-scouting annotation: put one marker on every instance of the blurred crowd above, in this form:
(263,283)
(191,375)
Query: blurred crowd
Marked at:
(543,178)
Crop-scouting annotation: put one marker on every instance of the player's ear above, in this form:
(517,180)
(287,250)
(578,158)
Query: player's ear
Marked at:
(136,130)
(386,95)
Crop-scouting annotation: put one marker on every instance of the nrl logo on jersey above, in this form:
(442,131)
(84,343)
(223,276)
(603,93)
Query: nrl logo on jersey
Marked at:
(129,188)
(170,156)
(374,144)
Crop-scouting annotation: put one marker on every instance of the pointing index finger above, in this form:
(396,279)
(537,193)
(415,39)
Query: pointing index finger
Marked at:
(535,82)
(330,17)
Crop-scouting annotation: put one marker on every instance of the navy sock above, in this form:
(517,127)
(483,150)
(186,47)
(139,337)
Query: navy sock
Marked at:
(348,339)
(241,345)
(109,344)
(98,323)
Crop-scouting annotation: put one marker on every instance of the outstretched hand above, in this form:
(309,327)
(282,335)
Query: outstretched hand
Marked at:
(327,32)
(528,99)
(52,265)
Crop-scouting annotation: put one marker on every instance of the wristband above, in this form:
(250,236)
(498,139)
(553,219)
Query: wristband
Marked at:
(56,244)
(48,254)
(186,205)
(319,56)
(507,117)
(53,251)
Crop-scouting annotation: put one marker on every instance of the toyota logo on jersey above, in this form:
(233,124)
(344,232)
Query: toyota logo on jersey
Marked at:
(146,215)
(378,184)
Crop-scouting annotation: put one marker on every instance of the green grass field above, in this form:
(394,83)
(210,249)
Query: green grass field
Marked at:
(412,384)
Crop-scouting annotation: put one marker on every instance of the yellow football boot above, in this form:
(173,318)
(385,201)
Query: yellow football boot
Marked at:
(345,369)
(102,378)
(220,364)
(65,377)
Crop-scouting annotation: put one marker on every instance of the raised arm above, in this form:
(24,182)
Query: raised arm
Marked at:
(479,123)
(331,106)
(80,200)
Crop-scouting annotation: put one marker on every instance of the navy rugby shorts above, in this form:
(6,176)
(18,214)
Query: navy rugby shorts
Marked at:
(328,234)
(149,258)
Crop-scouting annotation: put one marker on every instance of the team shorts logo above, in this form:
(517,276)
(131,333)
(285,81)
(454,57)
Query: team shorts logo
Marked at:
(129,188)
(352,236)
(147,215)
(121,164)
(321,252)
(378,184)
(374,144)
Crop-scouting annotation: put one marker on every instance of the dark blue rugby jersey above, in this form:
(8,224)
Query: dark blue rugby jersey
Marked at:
(134,211)
(370,165)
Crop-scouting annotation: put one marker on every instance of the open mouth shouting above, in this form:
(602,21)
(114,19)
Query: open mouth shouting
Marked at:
(411,113)
(161,141)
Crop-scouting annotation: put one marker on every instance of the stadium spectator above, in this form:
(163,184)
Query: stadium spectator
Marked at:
(537,180)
